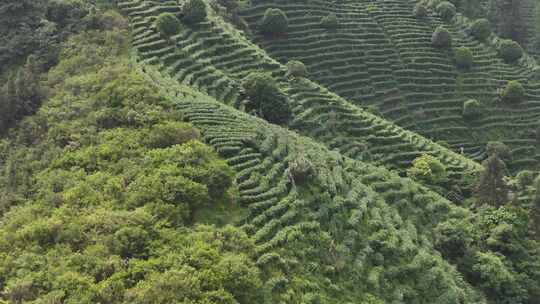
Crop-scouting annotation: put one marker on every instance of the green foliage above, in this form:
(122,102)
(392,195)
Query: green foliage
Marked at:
(21,95)
(499,149)
(258,86)
(63,12)
(491,187)
(510,51)
(420,10)
(514,92)
(428,169)
(497,279)
(330,21)
(193,11)
(464,57)
(473,9)
(493,248)
(164,135)
(274,22)
(454,237)
(524,179)
(441,38)
(301,170)
(296,69)
(265,97)
(167,24)
(117,182)
(481,29)
(472,109)
(446,10)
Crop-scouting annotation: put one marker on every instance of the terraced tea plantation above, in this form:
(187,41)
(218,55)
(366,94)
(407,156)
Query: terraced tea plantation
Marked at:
(380,55)
(214,58)
(269,151)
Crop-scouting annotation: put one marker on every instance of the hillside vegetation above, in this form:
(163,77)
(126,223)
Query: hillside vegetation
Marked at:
(267,152)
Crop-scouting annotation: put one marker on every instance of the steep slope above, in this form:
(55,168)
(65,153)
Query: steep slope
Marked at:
(98,201)
(381,55)
(314,239)
(214,57)
(106,183)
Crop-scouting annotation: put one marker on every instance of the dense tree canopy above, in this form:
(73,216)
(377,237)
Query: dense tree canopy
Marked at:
(265,97)
(107,215)
(168,24)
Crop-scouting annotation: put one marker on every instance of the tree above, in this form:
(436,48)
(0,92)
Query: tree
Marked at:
(491,187)
(168,25)
(453,237)
(510,51)
(472,109)
(441,38)
(167,134)
(464,57)
(296,68)
(420,11)
(497,278)
(508,19)
(8,104)
(301,170)
(499,149)
(446,10)
(514,92)
(24,29)
(330,21)
(481,29)
(194,11)
(524,179)
(274,22)
(265,97)
(22,94)
(428,169)
(535,212)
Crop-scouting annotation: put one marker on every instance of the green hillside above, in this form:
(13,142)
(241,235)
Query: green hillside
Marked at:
(149,157)
(381,55)
(353,131)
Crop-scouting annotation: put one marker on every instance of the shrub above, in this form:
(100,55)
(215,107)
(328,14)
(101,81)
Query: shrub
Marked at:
(296,69)
(524,178)
(472,109)
(463,57)
(429,169)
(131,242)
(330,21)
(480,29)
(441,38)
(510,50)
(301,170)
(513,92)
(491,187)
(274,21)
(265,97)
(167,134)
(420,11)
(258,85)
(194,11)
(167,24)
(446,10)
(499,149)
